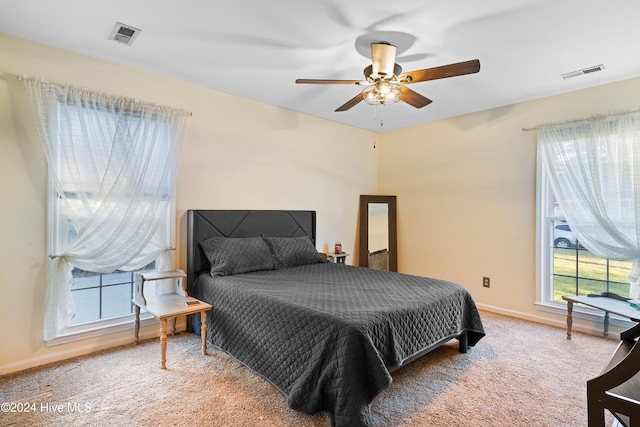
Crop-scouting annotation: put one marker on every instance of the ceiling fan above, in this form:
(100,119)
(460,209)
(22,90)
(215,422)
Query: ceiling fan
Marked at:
(385,82)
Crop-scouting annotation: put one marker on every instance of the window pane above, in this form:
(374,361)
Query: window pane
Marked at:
(577,271)
(592,267)
(563,285)
(87,305)
(101,296)
(619,277)
(565,262)
(117,278)
(84,279)
(116,300)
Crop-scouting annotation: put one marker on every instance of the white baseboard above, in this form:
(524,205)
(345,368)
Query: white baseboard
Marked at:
(561,323)
(592,326)
(81,348)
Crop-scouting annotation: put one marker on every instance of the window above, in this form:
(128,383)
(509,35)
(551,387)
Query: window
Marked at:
(113,163)
(577,271)
(565,267)
(98,298)
(102,296)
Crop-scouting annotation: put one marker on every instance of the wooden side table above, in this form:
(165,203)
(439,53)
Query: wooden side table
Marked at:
(168,306)
(337,258)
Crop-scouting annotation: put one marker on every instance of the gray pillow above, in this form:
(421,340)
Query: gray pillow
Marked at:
(235,255)
(292,251)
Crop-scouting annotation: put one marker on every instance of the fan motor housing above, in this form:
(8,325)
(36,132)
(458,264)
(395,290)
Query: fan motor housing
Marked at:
(368,73)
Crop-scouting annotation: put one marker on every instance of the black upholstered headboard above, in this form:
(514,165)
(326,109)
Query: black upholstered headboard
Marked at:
(202,224)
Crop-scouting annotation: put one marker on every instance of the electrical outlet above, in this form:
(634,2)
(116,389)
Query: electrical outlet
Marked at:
(486,282)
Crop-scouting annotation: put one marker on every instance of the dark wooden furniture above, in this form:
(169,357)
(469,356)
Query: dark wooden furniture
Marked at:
(617,388)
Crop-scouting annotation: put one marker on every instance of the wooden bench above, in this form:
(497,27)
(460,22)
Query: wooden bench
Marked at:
(607,302)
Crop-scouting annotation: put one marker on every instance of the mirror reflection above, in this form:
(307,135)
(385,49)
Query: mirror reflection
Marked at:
(378,230)
(378,233)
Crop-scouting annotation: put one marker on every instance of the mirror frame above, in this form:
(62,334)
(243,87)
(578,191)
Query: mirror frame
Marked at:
(363,256)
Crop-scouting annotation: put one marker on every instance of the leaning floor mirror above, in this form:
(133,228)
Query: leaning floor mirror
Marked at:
(378,233)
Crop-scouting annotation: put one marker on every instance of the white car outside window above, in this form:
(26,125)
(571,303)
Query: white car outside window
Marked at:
(563,237)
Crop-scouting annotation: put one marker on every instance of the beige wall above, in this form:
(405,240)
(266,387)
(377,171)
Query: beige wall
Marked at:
(465,186)
(238,154)
(466,191)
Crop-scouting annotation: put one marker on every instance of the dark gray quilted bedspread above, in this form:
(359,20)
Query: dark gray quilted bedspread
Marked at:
(327,334)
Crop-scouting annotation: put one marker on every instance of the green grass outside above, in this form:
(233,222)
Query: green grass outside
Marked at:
(592,272)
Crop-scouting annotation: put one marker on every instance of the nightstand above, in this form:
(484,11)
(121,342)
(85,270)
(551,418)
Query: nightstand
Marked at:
(168,306)
(337,258)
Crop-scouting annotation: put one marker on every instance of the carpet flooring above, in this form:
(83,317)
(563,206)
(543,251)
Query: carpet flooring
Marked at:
(521,374)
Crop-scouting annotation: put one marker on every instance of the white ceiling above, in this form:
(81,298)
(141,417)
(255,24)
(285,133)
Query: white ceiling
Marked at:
(256,49)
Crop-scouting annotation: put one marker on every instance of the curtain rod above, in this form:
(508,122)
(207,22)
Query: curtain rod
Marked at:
(189,113)
(594,117)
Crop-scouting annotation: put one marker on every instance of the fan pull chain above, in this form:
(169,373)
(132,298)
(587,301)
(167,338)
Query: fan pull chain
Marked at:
(375,117)
(375,113)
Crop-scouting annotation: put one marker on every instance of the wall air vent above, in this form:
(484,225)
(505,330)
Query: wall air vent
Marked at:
(582,72)
(124,34)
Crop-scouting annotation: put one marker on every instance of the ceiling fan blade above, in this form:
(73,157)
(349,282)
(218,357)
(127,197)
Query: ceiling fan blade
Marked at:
(383,59)
(451,70)
(350,103)
(328,82)
(414,98)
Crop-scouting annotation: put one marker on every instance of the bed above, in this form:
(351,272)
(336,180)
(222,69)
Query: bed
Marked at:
(326,335)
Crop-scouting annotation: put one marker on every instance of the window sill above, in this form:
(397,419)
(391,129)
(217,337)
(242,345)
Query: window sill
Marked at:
(99,328)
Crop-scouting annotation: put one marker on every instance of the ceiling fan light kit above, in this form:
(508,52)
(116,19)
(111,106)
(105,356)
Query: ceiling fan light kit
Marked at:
(382,92)
(386,82)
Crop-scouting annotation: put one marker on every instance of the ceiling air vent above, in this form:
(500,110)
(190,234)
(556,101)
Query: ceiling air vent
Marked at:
(582,72)
(124,34)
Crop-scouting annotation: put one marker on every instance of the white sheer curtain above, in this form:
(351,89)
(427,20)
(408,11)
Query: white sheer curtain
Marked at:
(594,169)
(113,162)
